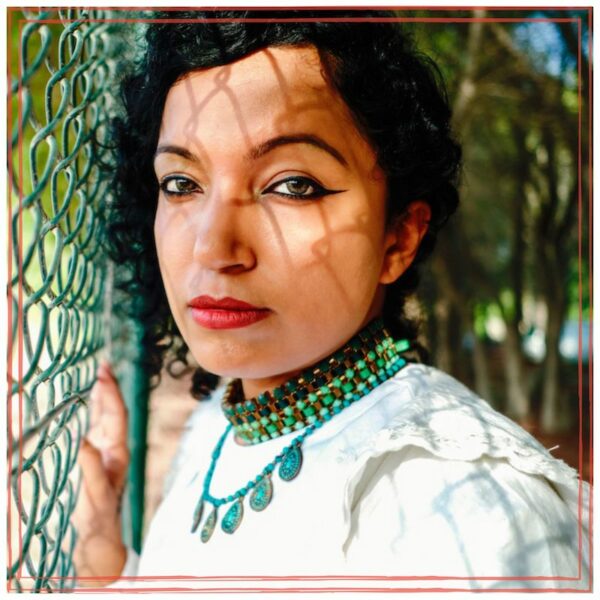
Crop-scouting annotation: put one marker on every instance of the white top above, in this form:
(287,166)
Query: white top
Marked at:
(418,478)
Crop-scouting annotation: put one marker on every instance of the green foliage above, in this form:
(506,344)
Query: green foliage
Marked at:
(519,92)
(511,251)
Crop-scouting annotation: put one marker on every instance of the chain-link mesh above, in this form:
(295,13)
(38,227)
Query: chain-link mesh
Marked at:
(61,96)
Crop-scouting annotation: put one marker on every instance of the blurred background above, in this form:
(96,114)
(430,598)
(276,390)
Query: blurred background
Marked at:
(505,298)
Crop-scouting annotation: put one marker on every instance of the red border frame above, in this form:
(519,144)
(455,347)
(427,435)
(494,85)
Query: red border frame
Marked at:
(580,285)
(9,310)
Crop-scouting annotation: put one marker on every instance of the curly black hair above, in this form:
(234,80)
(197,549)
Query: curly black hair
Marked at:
(395,94)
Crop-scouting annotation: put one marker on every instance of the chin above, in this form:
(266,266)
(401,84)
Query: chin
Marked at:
(220,364)
(242,369)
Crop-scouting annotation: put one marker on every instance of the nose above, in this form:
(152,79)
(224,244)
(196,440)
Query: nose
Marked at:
(223,236)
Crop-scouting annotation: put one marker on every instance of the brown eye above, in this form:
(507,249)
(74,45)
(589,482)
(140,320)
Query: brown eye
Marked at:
(178,186)
(298,187)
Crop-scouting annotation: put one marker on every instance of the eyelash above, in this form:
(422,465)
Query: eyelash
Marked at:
(319,190)
(163,186)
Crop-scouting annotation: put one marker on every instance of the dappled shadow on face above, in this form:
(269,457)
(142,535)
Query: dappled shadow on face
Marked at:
(219,116)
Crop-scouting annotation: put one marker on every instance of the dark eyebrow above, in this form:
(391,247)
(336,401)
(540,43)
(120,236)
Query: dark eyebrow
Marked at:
(302,138)
(179,150)
(264,148)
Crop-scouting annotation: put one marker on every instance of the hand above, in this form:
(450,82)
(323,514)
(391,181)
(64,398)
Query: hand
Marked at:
(103,458)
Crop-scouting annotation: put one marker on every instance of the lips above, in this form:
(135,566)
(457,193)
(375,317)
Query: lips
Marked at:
(225,313)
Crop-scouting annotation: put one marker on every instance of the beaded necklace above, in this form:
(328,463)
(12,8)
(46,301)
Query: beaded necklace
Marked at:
(305,403)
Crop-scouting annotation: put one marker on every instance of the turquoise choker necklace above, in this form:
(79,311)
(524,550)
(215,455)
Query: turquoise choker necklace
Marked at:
(303,403)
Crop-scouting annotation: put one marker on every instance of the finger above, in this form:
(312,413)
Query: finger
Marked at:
(97,506)
(103,375)
(108,430)
(93,473)
(108,412)
(107,398)
(113,401)
(103,468)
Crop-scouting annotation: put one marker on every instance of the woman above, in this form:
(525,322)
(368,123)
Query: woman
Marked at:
(284,181)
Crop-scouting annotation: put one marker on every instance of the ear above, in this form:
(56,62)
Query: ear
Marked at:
(402,240)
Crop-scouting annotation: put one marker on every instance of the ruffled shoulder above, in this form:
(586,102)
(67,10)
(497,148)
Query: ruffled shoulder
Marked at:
(436,412)
(425,408)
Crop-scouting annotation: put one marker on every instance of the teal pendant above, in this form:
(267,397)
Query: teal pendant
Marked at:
(209,526)
(307,402)
(233,517)
(261,495)
(291,463)
(198,514)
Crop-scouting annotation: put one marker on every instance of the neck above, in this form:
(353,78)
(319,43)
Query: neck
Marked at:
(260,410)
(254,387)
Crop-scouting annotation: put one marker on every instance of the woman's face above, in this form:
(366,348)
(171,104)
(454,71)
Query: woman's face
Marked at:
(271,197)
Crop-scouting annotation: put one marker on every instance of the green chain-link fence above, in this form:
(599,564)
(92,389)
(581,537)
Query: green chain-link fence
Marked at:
(63,68)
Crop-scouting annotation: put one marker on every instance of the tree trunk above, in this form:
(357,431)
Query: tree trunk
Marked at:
(443,349)
(555,414)
(480,369)
(518,406)
(552,232)
(518,403)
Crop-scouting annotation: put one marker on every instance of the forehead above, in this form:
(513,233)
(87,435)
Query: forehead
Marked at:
(270,92)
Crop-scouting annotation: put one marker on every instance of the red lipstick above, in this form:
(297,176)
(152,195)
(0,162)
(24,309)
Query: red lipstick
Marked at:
(225,313)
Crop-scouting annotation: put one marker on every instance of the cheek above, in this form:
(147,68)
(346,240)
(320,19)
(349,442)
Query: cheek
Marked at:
(336,258)
(174,245)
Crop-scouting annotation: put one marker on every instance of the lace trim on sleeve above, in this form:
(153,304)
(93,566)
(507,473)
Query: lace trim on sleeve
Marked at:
(448,420)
